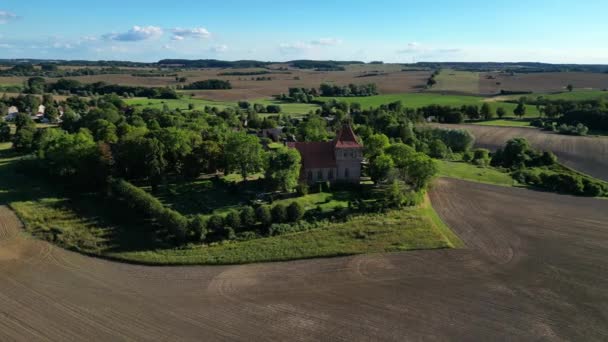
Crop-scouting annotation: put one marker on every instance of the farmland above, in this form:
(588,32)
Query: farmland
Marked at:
(484,290)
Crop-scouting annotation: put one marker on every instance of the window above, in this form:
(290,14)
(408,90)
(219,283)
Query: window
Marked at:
(346,174)
(320,175)
(310,176)
(330,174)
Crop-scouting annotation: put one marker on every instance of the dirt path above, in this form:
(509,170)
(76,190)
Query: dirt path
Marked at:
(535,267)
(586,154)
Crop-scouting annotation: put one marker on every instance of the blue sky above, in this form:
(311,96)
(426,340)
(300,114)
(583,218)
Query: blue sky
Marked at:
(394,31)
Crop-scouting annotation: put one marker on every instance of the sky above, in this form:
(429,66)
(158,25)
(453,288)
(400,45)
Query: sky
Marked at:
(553,31)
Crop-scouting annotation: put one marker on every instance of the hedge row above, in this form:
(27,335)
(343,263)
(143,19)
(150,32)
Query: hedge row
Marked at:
(563,183)
(149,206)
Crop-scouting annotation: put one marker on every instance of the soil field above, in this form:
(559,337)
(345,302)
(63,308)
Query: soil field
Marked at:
(544,82)
(389,78)
(535,267)
(585,154)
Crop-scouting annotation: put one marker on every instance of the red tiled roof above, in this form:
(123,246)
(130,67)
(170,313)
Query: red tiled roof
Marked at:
(346,138)
(315,154)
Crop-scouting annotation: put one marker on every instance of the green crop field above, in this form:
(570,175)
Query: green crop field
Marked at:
(199,104)
(417,100)
(504,123)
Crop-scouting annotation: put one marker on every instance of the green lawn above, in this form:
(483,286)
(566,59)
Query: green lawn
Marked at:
(400,230)
(504,123)
(466,171)
(417,100)
(297,109)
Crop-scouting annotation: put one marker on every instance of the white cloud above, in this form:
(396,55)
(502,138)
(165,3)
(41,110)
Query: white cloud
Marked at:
(326,41)
(197,33)
(5,46)
(137,33)
(5,17)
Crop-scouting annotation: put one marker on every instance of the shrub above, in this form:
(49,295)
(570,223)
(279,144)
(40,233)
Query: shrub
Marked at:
(248,218)
(302,189)
(593,189)
(141,201)
(467,156)
(215,223)
(481,157)
(279,213)
(438,149)
(295,211)
(197,228)
(263,215)
(233,220)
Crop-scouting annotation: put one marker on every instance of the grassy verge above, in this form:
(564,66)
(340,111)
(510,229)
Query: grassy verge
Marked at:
(504,123)
(399,230)
(466,171)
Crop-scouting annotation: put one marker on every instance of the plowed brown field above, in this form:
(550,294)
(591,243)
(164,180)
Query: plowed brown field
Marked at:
(535,267)
(585,154)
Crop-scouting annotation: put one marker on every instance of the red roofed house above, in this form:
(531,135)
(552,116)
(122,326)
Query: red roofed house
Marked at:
(334,161)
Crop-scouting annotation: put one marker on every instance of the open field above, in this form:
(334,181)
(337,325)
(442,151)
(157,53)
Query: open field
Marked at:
(545,82)
(504,123)
(470,172)
(457,81)
(389,78)
(585,154)
(417,100)
(200,104)
(534,268)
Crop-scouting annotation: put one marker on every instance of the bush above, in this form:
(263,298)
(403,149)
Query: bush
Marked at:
(215,223)
(438,149)
(302,189)
(248,218)
(148,205)
(233,220)
(279,213)
(197,228)
(467,156)
(263,215)
(481,157)
(295,212)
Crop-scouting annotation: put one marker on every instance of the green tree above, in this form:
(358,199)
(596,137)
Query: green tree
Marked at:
(215,223)
(400,153)
(486,111)
(520,110)
(570,87)
(51,113)
(420,170)
(313,129)
(104,130)
(438,149)
(36,85)
(501,112)
(380,167)
(243,153)
(283,168)
(375,145)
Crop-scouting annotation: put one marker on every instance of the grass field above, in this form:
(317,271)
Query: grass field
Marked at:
(466,171)
(417,100)
(199,104)
(457,81)
(504,123)
(400,230)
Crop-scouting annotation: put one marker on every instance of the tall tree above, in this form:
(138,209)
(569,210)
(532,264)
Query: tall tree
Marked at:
(283,168)
(243,153)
